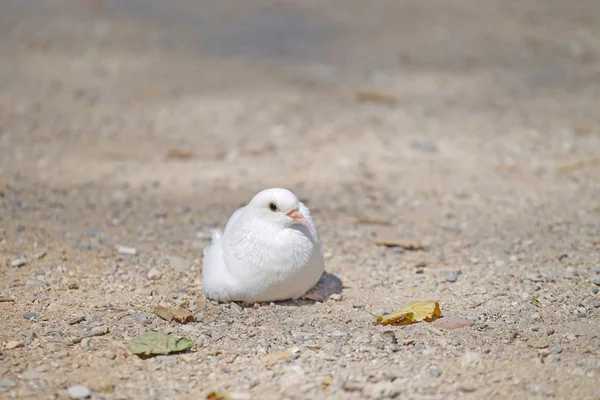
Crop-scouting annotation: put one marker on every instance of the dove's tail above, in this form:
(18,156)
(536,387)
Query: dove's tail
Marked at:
(216,234)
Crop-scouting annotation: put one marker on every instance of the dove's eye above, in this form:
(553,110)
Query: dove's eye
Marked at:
(273,207)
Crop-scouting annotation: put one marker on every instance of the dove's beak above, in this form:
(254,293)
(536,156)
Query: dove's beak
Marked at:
(298,218)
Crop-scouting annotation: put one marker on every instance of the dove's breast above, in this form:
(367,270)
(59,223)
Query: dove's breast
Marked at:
(274,264)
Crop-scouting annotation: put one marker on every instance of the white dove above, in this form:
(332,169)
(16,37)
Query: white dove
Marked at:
(270,250)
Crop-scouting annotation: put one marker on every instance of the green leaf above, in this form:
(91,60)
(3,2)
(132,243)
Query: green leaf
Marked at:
(154,343)
(536,302)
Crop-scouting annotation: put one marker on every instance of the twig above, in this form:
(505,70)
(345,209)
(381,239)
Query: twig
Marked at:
(6,300)
(101,331)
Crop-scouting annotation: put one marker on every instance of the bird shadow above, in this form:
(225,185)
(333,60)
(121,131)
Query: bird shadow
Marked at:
(327,285)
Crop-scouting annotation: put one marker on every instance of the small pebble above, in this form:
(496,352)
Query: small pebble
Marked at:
(93,232)
(7,383)
(597,281)
(397,250)
(557,349)
(130,251)
(154,274)
(29,338)
(468,387)
(83,246)
(140,316)
(435,372)
(544,352)
(595,290)
(30,315)
(19,262)
(34,282)
(79,392)
(452,276)
(14,344)
(358,304)
(108,354)
(470,359)
(165,358)
(217,336)
(43,368)
(569,274)
(596,304)
(336,297)
(424,146)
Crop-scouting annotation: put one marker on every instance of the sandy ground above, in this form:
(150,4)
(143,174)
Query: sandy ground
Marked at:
(472,127)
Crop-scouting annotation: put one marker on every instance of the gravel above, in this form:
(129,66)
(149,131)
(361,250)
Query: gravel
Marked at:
(19,262)
(452,276)
(7,383)
(30,315)
(79,392)
(34,282)
(130,251)
(435,372)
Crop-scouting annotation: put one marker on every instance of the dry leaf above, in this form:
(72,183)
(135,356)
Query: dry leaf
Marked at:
(180,154)
(180,315)
(583,130)
(416,311)
(278,356)
(578,164)
(371,96)
(395,242)
(367,221)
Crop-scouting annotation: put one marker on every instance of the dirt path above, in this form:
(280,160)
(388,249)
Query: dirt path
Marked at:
(472,129)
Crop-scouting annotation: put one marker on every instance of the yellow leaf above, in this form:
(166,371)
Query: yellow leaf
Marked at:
(416,311)
(218,396)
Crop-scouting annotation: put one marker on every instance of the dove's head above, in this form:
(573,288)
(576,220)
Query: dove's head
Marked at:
(278,206)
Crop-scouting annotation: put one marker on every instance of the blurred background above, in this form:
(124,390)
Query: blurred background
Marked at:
(204,94)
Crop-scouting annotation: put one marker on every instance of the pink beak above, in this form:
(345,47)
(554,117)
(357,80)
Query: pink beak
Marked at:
(298,218)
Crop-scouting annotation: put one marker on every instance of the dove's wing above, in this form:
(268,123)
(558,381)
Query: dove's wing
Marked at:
(234,217)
